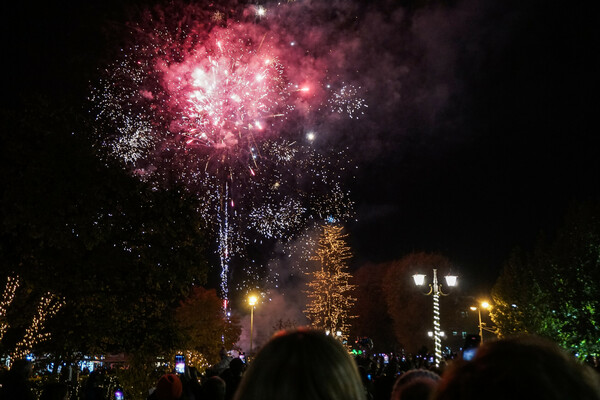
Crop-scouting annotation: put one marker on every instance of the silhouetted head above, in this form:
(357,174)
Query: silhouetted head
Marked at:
(169,387)
(523,367)
(236,366)
(302,364)
(416,384)
(214,388)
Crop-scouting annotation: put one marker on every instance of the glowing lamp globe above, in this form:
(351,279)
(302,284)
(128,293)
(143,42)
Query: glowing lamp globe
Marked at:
(419,279)
(451,280)
(252,300)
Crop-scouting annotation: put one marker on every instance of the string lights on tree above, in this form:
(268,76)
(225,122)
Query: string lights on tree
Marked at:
(48,306)
(329,292)
(12,283)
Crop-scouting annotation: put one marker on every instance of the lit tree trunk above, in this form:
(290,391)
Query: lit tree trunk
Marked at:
(7,297)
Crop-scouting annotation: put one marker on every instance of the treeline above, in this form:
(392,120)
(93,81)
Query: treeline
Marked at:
(554,289)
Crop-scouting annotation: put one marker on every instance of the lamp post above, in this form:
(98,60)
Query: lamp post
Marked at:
(485,305)
(436,291)
(252,301)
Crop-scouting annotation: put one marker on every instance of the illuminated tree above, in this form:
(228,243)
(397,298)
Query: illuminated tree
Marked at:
(329,290)
(7,297)
(47,307)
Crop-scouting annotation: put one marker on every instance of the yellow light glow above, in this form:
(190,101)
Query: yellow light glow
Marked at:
(252,300)
(485,304)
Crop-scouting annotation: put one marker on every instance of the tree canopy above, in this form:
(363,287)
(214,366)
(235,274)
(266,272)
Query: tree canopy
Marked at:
(553,291)
(203,326)
(119,252)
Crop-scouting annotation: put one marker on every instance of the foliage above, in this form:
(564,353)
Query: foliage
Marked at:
(201,322)
(554,292)
(139,376)
(329,290)
(372,309)
(118,251)
(517,298)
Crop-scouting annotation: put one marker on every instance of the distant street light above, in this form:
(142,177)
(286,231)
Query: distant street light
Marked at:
(486,306)
(252,301)
(436,291)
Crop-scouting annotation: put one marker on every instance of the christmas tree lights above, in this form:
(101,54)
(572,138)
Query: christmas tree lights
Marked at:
(329,292)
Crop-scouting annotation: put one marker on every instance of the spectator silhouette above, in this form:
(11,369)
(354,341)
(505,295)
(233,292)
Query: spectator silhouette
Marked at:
(416,384)
(55,391)
(232,377)
(191,386)
(302,364)
(223,364)
(213,389)
(519,368)
(16,384)
(92,390)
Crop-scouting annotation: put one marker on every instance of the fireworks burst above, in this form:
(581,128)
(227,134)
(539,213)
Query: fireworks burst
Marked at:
(207,105)
(346,100)
(227,94)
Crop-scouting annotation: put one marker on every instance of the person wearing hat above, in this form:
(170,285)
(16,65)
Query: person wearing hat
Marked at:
(168,387)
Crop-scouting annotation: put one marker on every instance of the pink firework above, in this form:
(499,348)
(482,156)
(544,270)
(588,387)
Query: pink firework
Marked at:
(217,107)
(226,93)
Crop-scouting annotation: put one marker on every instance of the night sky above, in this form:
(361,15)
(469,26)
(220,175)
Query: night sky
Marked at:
(480,129)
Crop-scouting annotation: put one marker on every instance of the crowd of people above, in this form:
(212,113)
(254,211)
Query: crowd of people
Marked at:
(305,364)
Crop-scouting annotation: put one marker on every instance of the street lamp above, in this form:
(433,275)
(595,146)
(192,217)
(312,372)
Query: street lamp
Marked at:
(252,301)
(436,291)
(485,305)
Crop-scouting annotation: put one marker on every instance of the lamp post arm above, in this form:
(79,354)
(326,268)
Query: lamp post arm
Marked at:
(493,330)
(442,293)
(431,291)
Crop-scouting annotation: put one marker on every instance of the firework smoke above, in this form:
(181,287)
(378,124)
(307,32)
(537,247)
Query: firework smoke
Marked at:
(217,107)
